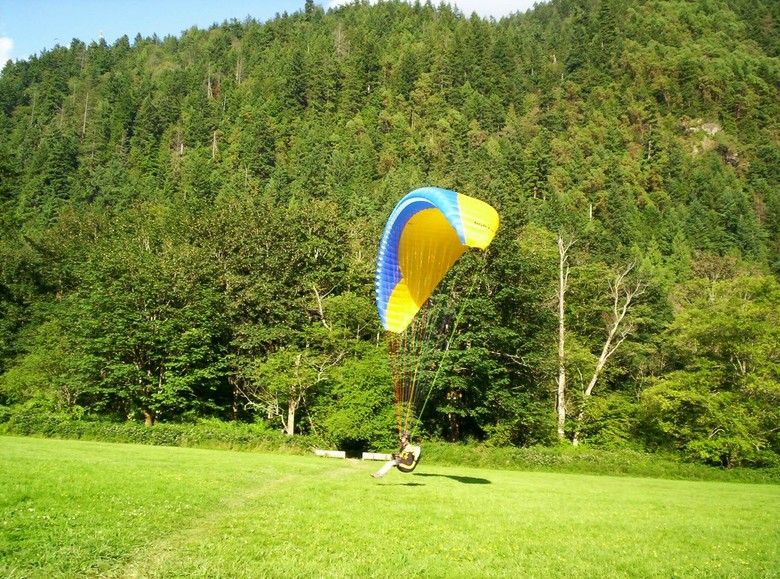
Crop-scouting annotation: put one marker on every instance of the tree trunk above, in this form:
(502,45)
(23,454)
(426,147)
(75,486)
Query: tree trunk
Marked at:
(563,281)
(295,393)
(84,123)
(291,416)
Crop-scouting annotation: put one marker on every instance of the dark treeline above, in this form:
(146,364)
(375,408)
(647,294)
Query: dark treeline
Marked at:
(190,225)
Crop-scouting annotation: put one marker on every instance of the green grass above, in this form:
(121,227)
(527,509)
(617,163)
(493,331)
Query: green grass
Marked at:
(75,508)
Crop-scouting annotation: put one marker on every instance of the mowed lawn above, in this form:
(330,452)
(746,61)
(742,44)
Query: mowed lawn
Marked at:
(72,508)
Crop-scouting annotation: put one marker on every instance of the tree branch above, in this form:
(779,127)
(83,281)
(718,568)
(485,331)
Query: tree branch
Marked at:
(319,306)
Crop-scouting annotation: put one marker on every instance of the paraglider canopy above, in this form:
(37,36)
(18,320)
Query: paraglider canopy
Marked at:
(427,232)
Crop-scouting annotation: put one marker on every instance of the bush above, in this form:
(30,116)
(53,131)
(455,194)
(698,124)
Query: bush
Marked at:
(212,433)
(586,460)
(360,415)
(216,434)
(688,411)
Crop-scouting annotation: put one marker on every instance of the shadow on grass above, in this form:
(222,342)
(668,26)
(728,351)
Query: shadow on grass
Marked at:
(386,483)
(466,480)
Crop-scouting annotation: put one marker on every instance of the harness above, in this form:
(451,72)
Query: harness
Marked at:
(407,459)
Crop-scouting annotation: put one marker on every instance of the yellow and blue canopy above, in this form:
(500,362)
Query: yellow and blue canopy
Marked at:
(429,229)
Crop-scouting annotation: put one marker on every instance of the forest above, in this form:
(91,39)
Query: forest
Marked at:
(190,225)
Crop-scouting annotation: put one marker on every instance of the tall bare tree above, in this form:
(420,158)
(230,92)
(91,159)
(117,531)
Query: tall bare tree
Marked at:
(563,284)
(623,294)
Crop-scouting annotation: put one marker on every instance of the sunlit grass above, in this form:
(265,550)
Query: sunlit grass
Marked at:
(92,509)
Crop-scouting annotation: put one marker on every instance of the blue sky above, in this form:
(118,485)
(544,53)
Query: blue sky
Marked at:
(27,27)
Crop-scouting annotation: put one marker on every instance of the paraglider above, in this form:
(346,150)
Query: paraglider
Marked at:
(426,234)
(405,459)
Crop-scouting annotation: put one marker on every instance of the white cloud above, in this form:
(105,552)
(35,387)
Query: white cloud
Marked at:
(485,8)
(6,48)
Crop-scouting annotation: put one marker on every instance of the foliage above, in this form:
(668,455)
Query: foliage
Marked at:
(359,414)
(207,433)
(188,225)
(587,460)
(719,403)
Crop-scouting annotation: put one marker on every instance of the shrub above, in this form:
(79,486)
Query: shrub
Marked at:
(204,434)
(216,434)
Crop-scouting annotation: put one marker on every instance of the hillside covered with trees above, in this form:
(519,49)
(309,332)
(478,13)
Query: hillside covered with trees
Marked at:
(189,225)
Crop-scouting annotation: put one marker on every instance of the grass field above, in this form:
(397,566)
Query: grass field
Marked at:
(71,508)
